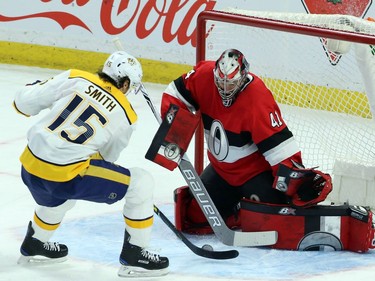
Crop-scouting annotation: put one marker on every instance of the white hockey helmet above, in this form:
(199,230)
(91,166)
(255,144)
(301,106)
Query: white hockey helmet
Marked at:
(121,64)
(231,70)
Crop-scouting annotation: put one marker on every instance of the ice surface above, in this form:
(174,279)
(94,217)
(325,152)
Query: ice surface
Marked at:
(94,232)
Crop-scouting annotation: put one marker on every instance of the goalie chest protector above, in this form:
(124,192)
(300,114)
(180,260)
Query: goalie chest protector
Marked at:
(343,227)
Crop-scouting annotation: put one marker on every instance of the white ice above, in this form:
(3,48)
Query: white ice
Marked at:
(94,232)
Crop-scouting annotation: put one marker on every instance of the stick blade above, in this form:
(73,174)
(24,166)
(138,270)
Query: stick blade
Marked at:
(217,255)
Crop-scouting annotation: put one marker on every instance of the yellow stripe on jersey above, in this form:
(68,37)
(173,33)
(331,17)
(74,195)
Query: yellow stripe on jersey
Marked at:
(49,171)
(139,223)
(44,225)
(110,89)
(19,111)
(104,173)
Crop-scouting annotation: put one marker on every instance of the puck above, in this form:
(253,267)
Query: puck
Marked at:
(207,247)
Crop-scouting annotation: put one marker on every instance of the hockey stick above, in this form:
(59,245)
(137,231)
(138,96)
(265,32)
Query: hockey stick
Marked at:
(198,251)
(218,255)
(223,233)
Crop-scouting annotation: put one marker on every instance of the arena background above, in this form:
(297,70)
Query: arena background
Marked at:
(79,33)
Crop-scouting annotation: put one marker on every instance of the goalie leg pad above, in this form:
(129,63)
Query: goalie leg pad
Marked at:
(320,227)
(189,217)
(173,137)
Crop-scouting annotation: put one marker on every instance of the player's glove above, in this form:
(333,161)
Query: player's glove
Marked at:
(305,187)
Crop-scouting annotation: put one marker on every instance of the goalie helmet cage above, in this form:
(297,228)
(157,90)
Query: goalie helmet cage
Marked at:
(322,94)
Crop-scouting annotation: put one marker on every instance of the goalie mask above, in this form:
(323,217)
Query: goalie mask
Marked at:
(120,65)
(230,74)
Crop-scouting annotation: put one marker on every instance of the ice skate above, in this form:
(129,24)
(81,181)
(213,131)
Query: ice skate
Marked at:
(38,252)
(136,261)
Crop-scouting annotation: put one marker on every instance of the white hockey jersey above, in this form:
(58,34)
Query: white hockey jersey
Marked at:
(87,118)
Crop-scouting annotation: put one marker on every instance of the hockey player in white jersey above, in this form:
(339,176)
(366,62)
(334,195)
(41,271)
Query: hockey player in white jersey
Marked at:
(70,156)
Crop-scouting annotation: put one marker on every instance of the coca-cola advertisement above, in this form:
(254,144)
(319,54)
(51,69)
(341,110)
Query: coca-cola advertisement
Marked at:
(156,29)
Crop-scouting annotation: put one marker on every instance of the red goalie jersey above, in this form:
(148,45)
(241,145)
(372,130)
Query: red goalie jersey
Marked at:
(245,139)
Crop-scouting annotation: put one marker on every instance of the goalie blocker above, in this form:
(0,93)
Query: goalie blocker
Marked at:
(173,137)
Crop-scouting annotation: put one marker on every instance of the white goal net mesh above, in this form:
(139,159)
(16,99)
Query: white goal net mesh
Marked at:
(325,99)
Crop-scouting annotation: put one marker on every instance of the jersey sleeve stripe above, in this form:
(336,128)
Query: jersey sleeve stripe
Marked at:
(274,140)
(281,152)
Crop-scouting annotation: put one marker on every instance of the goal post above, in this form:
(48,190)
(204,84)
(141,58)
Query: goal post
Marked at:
(314,66)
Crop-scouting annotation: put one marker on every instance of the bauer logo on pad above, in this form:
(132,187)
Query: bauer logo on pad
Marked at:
(173,137)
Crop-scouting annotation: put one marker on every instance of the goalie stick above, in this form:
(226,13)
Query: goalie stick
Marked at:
(219,255)
(223,233)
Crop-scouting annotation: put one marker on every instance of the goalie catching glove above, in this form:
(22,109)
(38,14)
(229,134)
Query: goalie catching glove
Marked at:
(305,187)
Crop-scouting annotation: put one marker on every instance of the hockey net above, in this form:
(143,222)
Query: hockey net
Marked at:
(327,98)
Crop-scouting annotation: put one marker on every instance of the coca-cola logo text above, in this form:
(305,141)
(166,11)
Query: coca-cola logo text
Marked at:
(144,16)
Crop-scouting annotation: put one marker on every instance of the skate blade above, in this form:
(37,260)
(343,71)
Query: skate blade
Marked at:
(39,260)
(131,271)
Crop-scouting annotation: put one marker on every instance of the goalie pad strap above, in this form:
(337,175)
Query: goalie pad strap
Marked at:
(173,137)
(341,227)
